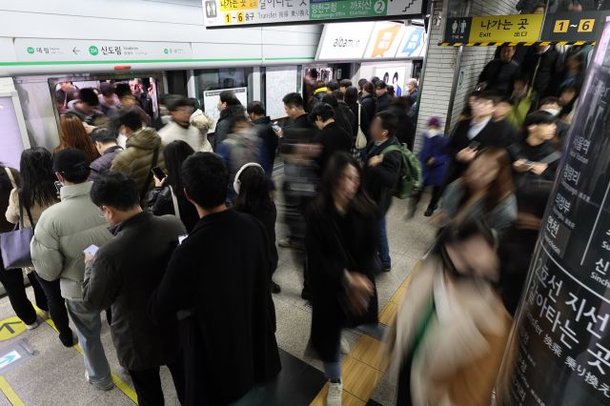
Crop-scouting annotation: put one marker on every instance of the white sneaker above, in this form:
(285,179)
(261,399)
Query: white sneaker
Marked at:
(335,393)
(345,347)
(99,386)
(32,326)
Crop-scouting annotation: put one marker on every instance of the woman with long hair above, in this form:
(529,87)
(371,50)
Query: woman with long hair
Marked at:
(73,135)
(341,256)
(36,193)
(12,279)
(485,190)
(447,342)
(168,195)
(253,196)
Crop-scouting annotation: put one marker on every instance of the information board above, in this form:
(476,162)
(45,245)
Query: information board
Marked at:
(230,13)
(562,332)
(279,81)
(212,97)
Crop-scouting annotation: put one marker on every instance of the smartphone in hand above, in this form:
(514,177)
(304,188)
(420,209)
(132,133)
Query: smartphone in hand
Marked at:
(91,250)
(474,145)
(158,173)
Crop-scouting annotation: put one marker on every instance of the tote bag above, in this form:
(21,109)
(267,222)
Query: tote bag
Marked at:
(360,137)
(15,245)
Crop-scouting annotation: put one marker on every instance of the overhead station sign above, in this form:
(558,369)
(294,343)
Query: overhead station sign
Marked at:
(493,30)
(40,49)
(231,13)
(585,26)
(559,28)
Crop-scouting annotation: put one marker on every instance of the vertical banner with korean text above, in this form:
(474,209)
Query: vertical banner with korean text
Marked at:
(562,334)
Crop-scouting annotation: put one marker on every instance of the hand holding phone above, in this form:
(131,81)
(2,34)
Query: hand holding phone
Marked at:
(158,173)
(91,250)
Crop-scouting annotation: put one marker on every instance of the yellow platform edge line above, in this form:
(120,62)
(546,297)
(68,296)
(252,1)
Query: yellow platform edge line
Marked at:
(120,384)
(9,393)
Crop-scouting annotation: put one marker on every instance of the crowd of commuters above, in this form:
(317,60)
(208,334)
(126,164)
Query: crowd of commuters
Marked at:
(525,76)
(160,227)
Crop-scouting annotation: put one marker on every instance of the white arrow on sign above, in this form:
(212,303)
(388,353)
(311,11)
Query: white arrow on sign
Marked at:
(9,358)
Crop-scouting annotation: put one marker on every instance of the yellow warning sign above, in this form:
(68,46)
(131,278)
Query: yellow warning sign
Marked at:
(11,327)
(235,5)
(512,28)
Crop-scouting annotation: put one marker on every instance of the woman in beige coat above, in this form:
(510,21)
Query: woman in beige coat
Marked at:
(450,333)
(37,193)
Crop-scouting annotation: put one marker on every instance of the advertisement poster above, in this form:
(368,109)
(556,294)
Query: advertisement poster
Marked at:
(385,39)
(211,98)
(562,334)
(413,44)
(344,41)
(393,75)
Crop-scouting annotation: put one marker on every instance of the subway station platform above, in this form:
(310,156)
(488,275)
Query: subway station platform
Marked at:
(35,369)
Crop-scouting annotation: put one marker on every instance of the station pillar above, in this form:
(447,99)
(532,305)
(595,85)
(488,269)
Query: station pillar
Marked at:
(560,346)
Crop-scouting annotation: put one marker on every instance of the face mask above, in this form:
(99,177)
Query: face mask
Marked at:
(554,112)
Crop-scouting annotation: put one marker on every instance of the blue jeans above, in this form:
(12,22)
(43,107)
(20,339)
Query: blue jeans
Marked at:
(383,248)
(88,328)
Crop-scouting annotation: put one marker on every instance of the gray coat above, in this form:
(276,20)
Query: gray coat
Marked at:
(123,275)
(63,231)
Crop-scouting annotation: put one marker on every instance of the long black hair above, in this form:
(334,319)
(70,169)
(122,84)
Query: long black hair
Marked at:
(175,153)
(330,179)
(37,179)
(254,191)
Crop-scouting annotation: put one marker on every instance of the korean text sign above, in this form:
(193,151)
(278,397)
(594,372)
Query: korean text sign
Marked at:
(562,334)
(513,28)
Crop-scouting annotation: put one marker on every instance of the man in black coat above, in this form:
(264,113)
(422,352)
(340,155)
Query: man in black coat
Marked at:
(218,282)
(105,141)
(300,179)
(500,74)
(384,99)
(381,174)
(470,136)
(123,274)
(540,67)
(331,137)
(264,130)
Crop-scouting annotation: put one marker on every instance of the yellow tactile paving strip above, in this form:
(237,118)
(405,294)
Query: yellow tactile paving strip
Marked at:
(9,393)
(120,384)
(364,366)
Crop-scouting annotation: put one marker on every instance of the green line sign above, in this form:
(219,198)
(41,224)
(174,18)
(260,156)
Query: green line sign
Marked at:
(234,13)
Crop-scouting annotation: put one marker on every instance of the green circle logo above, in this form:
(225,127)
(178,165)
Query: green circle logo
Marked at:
(31,50)
(165,51)
(93,50)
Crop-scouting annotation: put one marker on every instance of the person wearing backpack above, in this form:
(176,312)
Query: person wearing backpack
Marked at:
(381,175)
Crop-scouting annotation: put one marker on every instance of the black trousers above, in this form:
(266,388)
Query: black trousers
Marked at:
(437,192)
(12,280)
(57,310)
(147,384)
